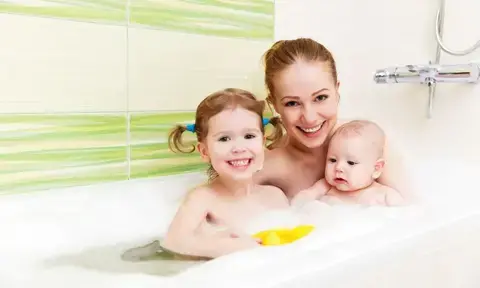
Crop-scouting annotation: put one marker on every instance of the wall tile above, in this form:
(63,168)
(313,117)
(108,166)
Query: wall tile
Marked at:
(47,151)
(252,19)
(174,71)
(179,51)
(42,151)
(149,152)
(53,65)
(105,11)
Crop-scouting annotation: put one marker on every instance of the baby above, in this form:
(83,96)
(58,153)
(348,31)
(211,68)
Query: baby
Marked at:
(212,219)
(354,162)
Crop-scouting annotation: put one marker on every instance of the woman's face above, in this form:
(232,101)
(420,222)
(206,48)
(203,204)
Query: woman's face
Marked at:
(306,97)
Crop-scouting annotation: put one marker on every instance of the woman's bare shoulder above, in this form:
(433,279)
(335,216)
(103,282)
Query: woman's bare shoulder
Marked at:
(274,166)
(274,196)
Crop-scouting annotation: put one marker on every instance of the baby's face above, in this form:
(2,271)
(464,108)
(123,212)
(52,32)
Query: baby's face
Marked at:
(352,163)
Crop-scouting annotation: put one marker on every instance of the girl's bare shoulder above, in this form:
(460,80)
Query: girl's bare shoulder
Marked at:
(203,193)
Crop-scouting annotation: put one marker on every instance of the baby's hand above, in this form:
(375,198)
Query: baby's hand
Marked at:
(301,199)
(318,190)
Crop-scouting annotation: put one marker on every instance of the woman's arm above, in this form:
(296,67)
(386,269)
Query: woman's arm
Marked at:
(186,234)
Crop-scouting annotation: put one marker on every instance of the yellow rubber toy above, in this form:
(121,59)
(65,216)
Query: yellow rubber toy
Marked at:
(283,236)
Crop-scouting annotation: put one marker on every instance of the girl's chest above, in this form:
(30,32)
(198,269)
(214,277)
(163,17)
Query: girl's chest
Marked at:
(237,214)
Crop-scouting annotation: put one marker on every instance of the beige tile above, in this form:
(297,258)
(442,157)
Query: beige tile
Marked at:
(61,66)
(174,71)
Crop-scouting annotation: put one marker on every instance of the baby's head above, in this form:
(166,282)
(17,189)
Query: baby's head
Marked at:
(230,133)
(355,155)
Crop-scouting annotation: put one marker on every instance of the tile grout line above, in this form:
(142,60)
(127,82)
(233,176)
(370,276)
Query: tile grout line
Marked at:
(134,25)
(97,112)
(127,89)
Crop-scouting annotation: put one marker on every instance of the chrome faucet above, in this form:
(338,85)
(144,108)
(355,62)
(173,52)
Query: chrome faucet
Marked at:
(429,74)
(434,73)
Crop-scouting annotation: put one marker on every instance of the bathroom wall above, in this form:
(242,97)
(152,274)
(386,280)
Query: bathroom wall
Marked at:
(89,89)
(369,35)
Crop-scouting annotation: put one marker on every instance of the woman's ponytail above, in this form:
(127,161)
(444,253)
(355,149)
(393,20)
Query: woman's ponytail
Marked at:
(276,136)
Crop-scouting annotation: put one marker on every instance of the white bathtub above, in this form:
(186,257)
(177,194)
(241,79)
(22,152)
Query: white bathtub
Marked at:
(73,238)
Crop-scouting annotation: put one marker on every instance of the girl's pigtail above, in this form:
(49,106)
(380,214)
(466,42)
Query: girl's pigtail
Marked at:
(175,142)
(276,137)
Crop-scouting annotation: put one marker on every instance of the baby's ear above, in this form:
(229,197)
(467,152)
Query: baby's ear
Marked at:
(378,168)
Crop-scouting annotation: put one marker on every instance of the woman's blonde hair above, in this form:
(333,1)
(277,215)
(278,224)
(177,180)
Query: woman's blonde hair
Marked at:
(284,53)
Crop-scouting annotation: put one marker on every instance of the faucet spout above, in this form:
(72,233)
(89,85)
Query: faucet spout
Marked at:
(424,74)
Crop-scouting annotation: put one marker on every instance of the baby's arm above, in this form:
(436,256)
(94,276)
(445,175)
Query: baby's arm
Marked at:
(317,191)
(185,235)
(393,197)
(381,195)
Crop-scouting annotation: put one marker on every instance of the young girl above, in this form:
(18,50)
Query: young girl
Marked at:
(212,219)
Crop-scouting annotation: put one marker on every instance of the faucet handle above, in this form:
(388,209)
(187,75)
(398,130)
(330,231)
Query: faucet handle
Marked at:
(384,76)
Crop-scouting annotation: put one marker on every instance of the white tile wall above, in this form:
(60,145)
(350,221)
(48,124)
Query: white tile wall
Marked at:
(372,34)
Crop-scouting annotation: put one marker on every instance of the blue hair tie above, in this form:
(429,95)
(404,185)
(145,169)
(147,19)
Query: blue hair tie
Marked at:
(190,127)
(265,121)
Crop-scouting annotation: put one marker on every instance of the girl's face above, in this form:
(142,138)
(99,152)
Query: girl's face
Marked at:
(306,97)
(235,144)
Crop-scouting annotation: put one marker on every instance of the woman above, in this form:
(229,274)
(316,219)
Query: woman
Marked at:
(301,78)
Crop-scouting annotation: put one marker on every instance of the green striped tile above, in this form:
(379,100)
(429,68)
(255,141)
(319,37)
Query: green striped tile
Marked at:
(149,154)
(108,11)
(49,151)
(251,19)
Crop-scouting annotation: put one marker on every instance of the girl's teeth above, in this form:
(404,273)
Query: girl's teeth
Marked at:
(239,162)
